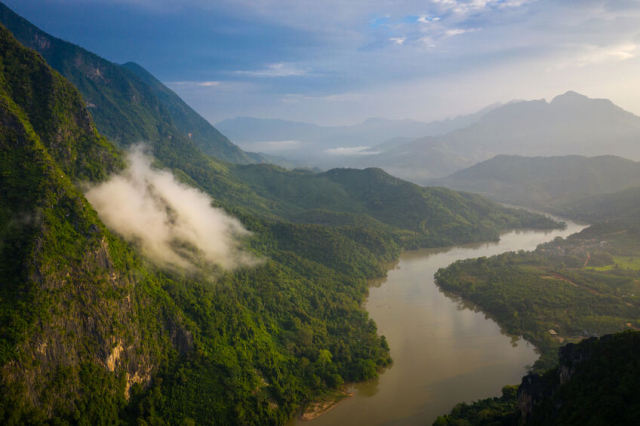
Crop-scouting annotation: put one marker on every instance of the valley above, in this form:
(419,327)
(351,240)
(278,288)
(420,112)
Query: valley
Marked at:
(445,348)
(161,270)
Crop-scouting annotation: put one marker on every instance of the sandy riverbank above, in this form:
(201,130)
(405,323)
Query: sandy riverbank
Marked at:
(317,408)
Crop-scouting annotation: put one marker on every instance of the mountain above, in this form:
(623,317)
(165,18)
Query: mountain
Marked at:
(82,322)
(127,103)
(622,206)
(189,123)
(543,182)
(422,217)
(250,129)
(438,128)
(311,144)
(94,331)
(571,124)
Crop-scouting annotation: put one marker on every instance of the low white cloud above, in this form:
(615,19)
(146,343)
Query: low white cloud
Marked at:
(350,151)
(398,40)
(174,225)
(457,31)
(427,19)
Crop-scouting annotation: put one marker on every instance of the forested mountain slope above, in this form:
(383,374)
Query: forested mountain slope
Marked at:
(128,106)
(622,206)
(88,326)
(191,124)
(543,182)
(80,320)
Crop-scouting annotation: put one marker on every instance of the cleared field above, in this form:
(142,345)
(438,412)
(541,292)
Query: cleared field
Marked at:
(623,262)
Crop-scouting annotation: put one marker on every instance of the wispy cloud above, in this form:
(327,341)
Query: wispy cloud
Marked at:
(400,58)
(598,55)
(427,19)
(280,69)
(272,147)
(587,55)
(457,31)
(174,225)
(195,83)
(335,97)
(350,151)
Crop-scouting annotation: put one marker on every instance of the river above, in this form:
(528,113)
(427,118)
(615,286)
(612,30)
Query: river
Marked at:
(444,350)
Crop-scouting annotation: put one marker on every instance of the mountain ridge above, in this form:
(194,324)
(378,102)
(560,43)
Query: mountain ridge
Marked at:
(543,182)
(123,106)
(571,124)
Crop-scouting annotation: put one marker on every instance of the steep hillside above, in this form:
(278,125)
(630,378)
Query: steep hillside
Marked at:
(594,384)
(541,182)
(126,108)
(81,321)
(571,124)
(189,123)
(622,206)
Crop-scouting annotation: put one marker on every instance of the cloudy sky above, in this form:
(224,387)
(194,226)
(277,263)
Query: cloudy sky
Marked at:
(342,61)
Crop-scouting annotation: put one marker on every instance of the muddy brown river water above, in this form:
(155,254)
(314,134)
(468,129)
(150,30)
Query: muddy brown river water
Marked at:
(444,350)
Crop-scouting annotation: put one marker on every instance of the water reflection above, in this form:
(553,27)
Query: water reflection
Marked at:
(366,389)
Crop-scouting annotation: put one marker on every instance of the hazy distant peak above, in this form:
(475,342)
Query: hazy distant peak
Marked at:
(491,107)
(569,97)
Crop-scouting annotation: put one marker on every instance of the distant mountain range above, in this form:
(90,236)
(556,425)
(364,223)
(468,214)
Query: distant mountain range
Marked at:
(570,124)
(541,182)
(317,145)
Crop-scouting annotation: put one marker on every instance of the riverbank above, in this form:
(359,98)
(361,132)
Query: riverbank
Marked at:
(549,296)
(323,405)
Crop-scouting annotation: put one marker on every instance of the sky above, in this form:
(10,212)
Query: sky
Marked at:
(337,62)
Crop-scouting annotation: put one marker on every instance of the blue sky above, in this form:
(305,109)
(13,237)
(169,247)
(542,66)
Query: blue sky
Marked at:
(339,62)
